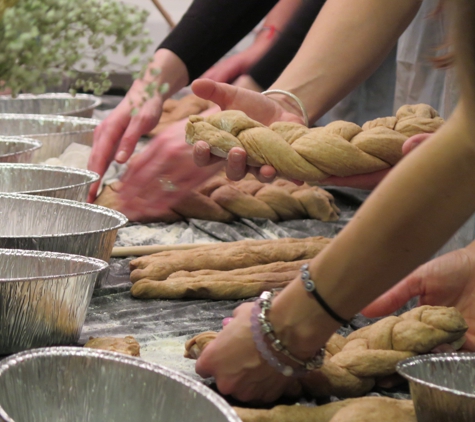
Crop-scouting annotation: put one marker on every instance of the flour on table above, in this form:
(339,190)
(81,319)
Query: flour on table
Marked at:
(169,352)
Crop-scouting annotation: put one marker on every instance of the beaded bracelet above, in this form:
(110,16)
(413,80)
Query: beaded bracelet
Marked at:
(261,328)
(294,97)
(309,285)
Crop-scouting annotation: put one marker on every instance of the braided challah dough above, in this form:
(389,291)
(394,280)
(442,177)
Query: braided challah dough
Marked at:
(220,199)
(364,409)
(296,152)
(354,364)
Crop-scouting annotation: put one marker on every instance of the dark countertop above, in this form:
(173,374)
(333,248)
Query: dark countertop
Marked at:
(162,326)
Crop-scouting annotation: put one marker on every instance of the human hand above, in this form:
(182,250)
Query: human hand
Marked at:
(161,175)
(233,360)
(117,136)
(256,106)
(448,280)
(236,167)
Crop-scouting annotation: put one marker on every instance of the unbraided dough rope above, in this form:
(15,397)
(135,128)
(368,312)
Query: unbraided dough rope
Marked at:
(353,364)
(241,283)
(219,199)
(225,256)
(296,152)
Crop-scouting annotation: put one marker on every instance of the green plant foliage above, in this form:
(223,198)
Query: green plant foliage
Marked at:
(43,41)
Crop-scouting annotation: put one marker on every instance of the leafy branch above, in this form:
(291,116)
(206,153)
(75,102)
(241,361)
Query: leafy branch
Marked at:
(42,41)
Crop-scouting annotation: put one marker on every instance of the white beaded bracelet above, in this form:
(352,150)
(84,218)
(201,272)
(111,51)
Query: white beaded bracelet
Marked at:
(294,97)
(261,327)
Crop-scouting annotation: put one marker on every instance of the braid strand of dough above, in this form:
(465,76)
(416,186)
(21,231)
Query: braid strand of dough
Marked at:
(364,409)
(296,152)
(354,364)
(222,200)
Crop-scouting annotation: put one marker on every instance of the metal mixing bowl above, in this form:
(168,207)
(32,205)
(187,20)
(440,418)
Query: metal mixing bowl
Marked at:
(442,386)
(79,105)
(18,150)
(58,225)
(85,385)
(52,181)
(44,297)
(55,132)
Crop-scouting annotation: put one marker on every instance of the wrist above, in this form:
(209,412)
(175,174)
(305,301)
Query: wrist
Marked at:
(269,345)
(289,102)
(299,322)
(166,68)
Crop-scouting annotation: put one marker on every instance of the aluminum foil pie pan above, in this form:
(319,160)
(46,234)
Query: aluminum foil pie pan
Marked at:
(58,225)
(442,386)
(56,133)
(51,181)
(18,150)
(44,297)
(79,105)
(76,384)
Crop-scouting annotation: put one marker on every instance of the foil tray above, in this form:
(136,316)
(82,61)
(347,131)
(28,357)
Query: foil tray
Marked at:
(18,150)
(51,181)
(74,384)
(56,133)
(44,297)
(442,386)
(79,105)
(58,225)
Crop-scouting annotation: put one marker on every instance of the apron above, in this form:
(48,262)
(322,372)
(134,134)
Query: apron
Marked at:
(417,81)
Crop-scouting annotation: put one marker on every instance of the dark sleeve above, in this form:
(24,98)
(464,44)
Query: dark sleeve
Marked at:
(210,28)
(271,65)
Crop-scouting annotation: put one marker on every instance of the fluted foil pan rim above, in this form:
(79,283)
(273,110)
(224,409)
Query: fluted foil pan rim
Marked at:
(94,100)
(66,202)
(101,265)
(34,144)
(91,176)
(415,360)
(200,388)
(51,118)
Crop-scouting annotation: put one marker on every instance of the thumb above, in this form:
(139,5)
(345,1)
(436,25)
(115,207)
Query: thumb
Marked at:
(414,141)
(219,93)
(396,297)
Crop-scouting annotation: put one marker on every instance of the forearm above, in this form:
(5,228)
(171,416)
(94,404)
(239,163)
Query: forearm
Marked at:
(166,67)
(271,65)
(347,42)
(269,33)
(407,218)
(281,14)
(210,28)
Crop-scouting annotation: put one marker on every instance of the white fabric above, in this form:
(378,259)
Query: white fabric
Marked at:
(372,99)
(417,81)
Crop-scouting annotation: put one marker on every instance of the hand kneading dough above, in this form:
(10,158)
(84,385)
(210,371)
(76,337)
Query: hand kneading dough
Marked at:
(296,152)
(353,364)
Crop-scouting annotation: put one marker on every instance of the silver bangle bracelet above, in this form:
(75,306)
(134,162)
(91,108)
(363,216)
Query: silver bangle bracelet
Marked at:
(261,327)
(294,97)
